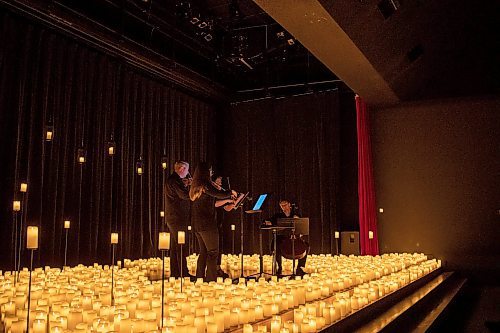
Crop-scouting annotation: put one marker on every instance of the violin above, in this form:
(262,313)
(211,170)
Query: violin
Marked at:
(218,185)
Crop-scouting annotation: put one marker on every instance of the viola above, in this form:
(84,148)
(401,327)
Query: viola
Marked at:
(294,248)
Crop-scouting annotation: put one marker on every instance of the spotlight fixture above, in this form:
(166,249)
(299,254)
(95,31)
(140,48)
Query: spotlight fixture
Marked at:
(139,166)
(80,155)
(49,132)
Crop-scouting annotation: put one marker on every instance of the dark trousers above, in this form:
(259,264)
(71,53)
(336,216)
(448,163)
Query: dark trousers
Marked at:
(177,262)
(209,251)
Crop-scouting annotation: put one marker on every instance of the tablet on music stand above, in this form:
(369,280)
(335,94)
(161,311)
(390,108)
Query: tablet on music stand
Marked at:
(258,204)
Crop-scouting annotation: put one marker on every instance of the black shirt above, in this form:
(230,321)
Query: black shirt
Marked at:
(203,208)
(177,201)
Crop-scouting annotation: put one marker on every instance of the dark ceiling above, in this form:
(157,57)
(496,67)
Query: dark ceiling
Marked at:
(386,50)
(234,43)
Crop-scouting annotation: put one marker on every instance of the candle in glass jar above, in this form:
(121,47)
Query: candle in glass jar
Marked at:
(162,213)
(24,187)
(16,205)
(114,238)
(181,237)
(164,241)
(67,224)
(32,238)
(233,227)
(370,234)
(337,235)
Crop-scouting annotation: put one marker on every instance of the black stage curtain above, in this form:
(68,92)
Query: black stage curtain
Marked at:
(289,148)
(89,98)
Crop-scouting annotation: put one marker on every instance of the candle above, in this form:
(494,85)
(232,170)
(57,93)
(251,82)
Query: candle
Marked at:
(233,227)
(164,165)
(189,228)
(275,326)
(181,237)
(48,136)
(67,223)
(164,241)
(162,213)
(24,187)
(337,235)
(16,205)
(32,238)
(39,326)
(370,234)
(114,238)
(111,150)
(81,159)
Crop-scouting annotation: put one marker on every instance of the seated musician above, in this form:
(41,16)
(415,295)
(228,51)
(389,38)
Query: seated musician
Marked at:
(287,211)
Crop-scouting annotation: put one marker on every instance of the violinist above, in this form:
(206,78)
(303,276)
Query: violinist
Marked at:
(287,211)
(177,206)
(206,196)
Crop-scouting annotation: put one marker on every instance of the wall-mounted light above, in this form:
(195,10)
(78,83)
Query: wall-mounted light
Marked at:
(139,166)
(80,155)
(49,132)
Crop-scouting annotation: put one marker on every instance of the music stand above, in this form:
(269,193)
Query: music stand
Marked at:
(299,225)
(239,204)
(255,209)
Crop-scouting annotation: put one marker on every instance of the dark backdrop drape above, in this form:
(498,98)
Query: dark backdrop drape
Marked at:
(289,148)
(89,97)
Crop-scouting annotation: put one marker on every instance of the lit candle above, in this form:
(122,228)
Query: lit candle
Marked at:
(114,238)
(162,213)
(164,241)
(49,135)
(139,170)
(81,159)
(181,237)
(111,150)
(164,165)
(67,223)
(24,187)
(32,238)
(189,228)
(370,234)
(337,235)
(16,205)
(233,227)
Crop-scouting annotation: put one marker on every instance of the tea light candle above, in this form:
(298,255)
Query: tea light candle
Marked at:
(16,205)
(32,238)
(181,237)
(67,223)
(164,241)
(24,187)
(114,238)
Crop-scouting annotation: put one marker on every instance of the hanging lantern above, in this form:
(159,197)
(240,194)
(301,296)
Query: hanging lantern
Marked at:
(80,155)
(164,162)
(139,166)
(111,147)
(49,132)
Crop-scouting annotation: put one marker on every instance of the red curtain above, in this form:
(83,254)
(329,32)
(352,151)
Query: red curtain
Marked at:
(366,188)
